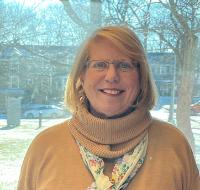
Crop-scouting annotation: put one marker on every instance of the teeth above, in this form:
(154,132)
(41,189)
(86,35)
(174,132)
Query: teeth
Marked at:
(114,92)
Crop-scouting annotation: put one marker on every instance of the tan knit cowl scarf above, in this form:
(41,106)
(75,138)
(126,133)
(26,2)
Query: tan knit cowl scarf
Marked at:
(109,138)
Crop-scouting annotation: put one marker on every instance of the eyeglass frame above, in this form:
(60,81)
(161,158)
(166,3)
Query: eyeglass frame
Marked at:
(135,64)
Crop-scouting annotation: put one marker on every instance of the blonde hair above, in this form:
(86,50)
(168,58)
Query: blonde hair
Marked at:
(129,44)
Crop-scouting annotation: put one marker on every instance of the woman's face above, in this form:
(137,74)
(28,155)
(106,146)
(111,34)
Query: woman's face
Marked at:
(110,91)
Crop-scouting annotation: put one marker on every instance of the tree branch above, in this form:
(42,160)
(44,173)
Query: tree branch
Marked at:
(72,14)
(162,37)
(178,16)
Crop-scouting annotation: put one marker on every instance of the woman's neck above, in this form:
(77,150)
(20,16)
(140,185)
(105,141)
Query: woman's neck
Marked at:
(104,116)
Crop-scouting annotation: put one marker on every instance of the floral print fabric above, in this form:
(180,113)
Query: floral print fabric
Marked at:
(124,170)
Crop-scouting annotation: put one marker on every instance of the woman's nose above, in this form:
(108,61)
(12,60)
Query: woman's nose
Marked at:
(112,74)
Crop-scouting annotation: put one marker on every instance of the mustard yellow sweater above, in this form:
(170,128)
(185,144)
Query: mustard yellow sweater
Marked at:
(53,161)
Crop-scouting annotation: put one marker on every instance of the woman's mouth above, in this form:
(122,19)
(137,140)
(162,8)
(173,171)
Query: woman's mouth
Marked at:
(112,91)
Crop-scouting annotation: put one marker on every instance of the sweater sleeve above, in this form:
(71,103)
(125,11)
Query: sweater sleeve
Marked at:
(172,143)
(29,169)
(195,179)
(196,182)
(32,163)
(192,179)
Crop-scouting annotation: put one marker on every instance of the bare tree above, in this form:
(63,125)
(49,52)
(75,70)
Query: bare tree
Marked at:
(26,31)
(136,14)
(90,17)
(18,24)
(178,29)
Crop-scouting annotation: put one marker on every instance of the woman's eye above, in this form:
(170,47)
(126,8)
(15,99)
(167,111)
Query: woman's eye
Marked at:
(99,65)
(124,66)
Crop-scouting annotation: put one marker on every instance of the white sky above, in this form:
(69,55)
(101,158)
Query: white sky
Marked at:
(29,3)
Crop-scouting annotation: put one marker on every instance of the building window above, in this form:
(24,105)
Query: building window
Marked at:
(29,82)
(164,70)
(14,81)
(165,89)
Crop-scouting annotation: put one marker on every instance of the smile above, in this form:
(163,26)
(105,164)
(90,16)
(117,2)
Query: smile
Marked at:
(112,91)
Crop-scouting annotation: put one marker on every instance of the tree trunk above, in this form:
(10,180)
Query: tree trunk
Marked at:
(185,89)
(95,18)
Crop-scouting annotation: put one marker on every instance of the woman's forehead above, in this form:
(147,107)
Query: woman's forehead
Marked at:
(106,49)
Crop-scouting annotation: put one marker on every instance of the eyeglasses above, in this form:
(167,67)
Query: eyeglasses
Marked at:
(120,65)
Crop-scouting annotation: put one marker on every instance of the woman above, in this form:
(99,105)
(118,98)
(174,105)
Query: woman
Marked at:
(111,141)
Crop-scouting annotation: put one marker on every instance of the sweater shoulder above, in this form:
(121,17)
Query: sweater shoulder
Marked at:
(55,129)
(172,143)
(51,136)
(167,133)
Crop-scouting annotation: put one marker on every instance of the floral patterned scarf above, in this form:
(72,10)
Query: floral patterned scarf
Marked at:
(124,170)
